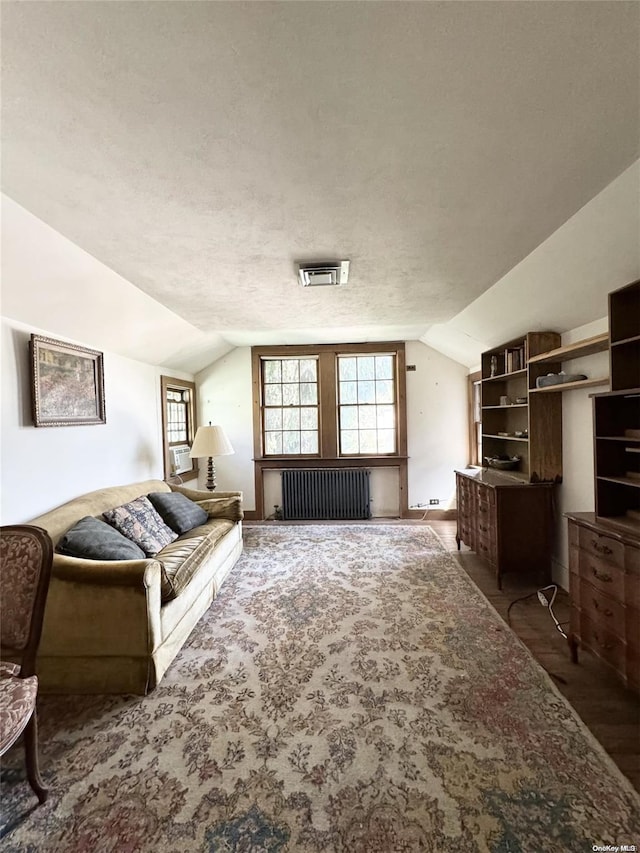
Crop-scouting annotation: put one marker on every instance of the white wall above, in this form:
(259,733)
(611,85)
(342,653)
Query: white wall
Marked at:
(45,466)
(225,398)
(576,493)
(436,424)
(51,283)
(436,427)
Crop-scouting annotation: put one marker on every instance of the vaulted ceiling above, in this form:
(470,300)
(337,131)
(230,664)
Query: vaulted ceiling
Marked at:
(199,149)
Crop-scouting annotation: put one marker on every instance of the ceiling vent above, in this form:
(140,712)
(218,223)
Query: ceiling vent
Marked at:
(326,274)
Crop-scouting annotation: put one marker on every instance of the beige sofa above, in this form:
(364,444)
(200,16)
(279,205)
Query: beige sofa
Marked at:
(106,627)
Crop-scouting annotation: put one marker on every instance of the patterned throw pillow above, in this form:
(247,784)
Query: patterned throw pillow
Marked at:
(93,539)
(139,522)
(178,511)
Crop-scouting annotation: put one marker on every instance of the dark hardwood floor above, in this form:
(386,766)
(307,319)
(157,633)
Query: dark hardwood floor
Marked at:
(608,709)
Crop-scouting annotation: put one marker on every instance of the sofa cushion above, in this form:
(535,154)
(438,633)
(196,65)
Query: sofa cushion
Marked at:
(181,559)
(140,523)
(93,539)
(178,511)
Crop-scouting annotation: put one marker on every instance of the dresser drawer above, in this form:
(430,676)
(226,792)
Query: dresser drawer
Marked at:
(633,666)
(632,577)
(602,575)
(486,549)
(601,546)
(603,609)
(574,620)
(465,506)
(633,631)
(574,534)
(464,532)
(485,512)
(603,643)
(486,527)
(486,494)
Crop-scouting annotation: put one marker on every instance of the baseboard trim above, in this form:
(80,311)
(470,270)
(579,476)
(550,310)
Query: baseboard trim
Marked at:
(411,514)
(427,514)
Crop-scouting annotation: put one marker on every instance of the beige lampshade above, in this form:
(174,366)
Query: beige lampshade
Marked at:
(210,441)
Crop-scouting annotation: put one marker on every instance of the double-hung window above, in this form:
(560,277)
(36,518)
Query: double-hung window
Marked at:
(330,406)
(367,404)
(329,401)
(290,406)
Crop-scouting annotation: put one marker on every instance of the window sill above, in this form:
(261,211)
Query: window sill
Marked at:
(327,461)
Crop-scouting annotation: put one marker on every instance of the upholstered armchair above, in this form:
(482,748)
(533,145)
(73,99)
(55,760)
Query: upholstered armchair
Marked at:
(26,555)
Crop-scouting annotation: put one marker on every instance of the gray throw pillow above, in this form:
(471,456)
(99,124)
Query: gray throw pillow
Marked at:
(177,511)
(93,539)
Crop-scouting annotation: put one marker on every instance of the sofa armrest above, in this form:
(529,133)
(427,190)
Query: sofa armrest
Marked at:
(102,608)
(217,504)
(106,572)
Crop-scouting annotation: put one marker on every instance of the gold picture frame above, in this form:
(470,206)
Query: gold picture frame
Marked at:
(67,383)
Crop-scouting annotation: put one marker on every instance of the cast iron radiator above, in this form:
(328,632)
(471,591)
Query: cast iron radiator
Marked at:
(323,493)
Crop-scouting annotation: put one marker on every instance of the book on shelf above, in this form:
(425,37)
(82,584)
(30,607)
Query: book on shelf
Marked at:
(514,359)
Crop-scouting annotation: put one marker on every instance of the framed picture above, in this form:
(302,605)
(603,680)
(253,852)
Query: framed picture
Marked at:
(67,383)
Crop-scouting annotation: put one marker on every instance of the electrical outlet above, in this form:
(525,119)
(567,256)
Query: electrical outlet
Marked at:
(542,598)
(434,501)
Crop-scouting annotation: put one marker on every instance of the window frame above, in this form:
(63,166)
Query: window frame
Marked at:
(172,383)
(474,426)
(264,406)
(329,455)
(358,405)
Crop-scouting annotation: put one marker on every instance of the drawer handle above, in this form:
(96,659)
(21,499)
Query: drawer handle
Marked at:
(605,611)
(606,646)
(601,549)
(483,508)
(605,577)
(483,527)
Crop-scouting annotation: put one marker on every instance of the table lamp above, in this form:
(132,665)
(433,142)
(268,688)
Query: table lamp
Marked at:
(210,441)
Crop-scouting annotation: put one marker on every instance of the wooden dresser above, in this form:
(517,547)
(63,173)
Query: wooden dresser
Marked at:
(506,521)
(604,547)
(604,564)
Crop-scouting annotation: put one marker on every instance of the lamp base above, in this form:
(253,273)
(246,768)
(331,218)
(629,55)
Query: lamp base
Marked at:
(211,475)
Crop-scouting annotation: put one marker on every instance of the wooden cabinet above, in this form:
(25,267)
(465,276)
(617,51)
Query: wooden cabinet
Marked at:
(604,566)
(506,521)
(516,422)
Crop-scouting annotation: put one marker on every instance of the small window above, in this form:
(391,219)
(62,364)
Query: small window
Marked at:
(179,425)
(475,419)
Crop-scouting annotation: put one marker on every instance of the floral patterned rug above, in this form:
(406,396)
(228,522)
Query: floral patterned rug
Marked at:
(349,690)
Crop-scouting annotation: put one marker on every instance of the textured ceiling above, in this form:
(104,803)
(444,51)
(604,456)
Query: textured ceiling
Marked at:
(199,149)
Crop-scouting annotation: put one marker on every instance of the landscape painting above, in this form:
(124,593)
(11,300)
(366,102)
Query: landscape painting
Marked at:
(67,383)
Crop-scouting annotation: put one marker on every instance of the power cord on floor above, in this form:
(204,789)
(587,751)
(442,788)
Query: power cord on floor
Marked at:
(548,603)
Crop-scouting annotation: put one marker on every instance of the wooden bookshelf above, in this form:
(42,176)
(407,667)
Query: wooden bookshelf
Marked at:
(540,449)
(588,346)
(579,349)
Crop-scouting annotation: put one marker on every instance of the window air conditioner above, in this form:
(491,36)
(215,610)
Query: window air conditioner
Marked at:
(180,460)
